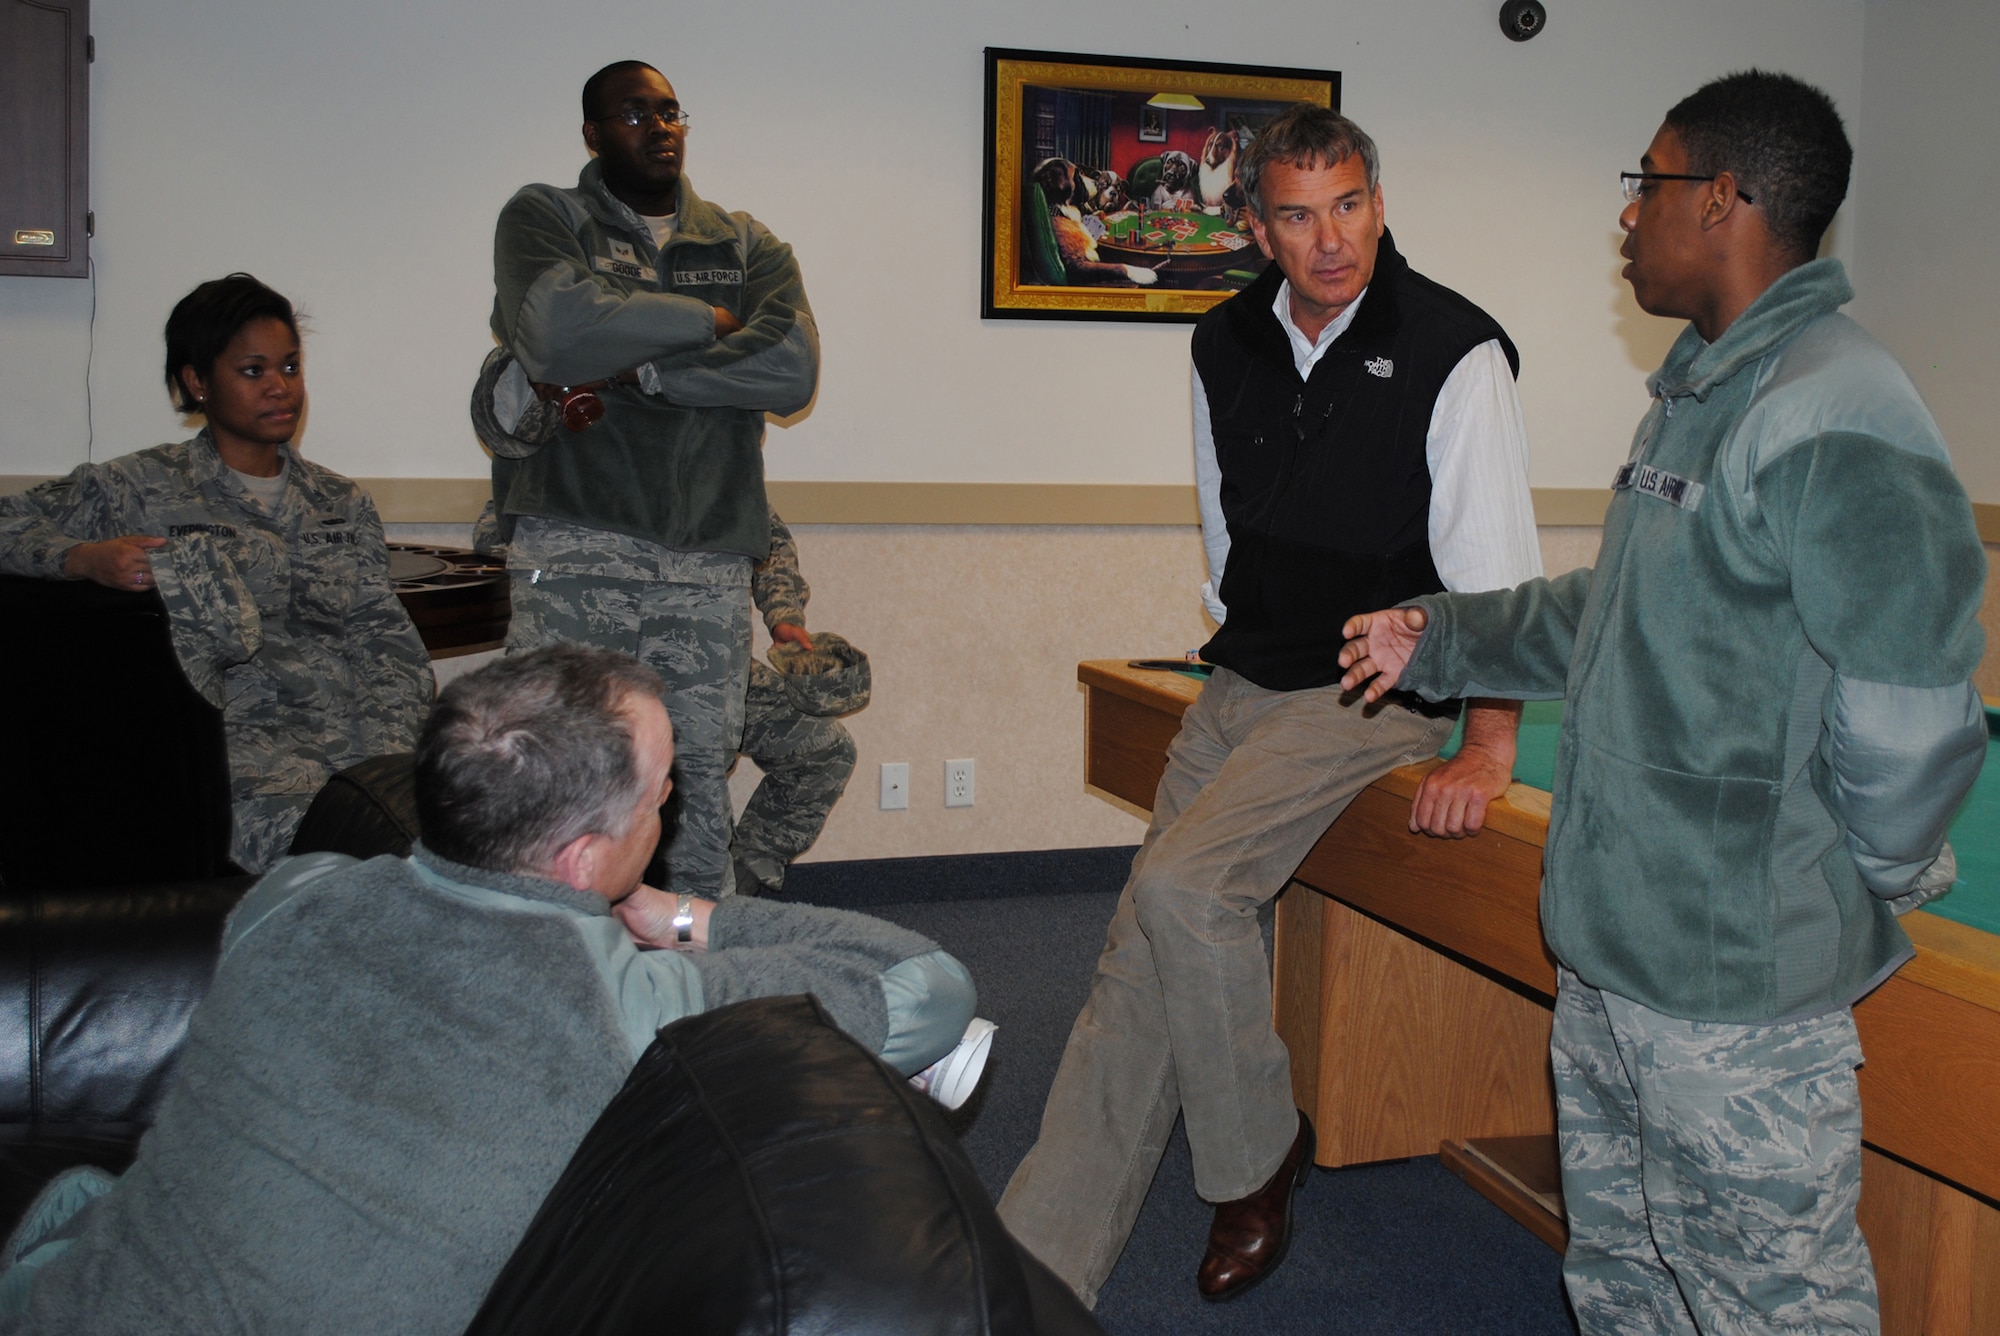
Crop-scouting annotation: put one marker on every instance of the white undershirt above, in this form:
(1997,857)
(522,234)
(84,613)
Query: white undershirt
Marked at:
(1482,521)
(661,226)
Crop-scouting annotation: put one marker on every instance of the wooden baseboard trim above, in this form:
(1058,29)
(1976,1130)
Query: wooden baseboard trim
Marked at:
(983,503)
(453,500)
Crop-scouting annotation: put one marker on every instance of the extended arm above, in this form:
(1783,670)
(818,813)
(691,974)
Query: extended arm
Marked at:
(1482,536)
(1452,799)
(1510,644)
(859,968)
(776,586)
(73,528)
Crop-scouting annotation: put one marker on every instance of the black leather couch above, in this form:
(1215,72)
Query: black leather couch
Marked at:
(96,987)
(117,773)
(114,873)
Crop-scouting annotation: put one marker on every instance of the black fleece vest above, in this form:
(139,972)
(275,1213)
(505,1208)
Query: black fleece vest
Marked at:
(1325,484)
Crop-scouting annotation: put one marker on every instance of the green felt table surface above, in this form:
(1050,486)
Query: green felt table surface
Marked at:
(1206,228)
(1975,834)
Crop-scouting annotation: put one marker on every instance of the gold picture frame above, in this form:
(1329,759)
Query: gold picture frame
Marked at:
(1080,182)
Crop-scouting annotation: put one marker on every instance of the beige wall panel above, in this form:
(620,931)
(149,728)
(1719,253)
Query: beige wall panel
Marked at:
(1566,548)
(974,635)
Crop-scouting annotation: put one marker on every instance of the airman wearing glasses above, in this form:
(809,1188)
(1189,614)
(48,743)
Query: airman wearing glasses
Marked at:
(664,329)
(1768,725)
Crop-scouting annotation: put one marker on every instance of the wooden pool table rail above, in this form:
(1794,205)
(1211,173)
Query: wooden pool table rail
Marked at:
(1413,989)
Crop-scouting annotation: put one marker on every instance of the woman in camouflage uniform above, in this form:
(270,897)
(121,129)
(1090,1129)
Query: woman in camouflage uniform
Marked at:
(272,569)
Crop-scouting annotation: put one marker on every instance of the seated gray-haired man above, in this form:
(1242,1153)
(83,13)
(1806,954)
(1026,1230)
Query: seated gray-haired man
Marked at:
(398,1057)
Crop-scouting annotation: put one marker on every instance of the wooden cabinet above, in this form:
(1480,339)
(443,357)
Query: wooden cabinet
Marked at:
(45,137)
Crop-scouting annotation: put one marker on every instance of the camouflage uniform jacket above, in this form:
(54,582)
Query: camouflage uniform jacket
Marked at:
(1768,717)
(582,294)
(285,621)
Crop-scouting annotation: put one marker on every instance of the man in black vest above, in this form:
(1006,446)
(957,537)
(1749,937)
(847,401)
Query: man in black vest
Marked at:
(1350,454)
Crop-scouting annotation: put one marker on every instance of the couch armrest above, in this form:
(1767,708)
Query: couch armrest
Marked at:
(761,1172)
(96,987)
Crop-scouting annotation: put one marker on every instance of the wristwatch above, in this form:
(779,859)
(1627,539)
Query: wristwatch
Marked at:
(683,919)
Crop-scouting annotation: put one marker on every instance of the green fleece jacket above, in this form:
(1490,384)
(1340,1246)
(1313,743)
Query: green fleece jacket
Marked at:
(582,294)
(1769,722)
(394,1063)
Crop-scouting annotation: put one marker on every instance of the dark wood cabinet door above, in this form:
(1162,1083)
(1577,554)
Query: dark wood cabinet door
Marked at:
(45,137)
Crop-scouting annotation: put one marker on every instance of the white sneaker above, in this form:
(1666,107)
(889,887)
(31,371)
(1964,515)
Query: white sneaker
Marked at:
(952,1078)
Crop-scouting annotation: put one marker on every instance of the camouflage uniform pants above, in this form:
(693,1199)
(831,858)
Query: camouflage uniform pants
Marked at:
(1710,1171)
(806,759)
(697,638)
(267,803)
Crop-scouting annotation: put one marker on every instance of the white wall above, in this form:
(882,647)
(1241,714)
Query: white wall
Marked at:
(1927,192)
(354,156)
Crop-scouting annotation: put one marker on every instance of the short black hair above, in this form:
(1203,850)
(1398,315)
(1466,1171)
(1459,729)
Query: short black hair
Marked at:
(204,321)
(1305,135)
(526,754)
(1782,140)
(593,87)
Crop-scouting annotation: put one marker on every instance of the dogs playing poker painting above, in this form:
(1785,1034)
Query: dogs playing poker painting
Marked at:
(1111,189)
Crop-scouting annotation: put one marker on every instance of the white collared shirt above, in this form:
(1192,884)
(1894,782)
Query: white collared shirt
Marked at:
(1482,522)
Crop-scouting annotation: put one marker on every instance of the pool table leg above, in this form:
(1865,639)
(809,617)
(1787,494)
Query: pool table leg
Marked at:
(1396,1046)
(1936,1251)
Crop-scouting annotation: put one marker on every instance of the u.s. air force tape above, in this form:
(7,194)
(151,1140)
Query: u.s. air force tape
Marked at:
(1668,487)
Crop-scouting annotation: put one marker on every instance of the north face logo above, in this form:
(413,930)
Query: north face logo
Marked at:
(1380,366)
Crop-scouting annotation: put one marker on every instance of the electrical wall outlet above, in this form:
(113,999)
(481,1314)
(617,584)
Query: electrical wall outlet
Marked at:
(895,786)
(958,783)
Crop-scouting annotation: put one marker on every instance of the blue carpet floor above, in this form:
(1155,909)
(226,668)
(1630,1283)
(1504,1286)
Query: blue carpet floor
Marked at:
(1392,1248)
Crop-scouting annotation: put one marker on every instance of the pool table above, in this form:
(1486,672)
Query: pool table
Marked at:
(1414,991)
(1186,249)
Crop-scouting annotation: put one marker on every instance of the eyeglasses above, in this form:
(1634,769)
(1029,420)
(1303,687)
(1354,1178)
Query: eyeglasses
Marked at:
(1630,182)
(636,116)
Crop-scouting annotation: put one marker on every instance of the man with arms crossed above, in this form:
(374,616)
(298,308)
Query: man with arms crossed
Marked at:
(1356,432)
(1768,727)
(398,1057)
(637,531)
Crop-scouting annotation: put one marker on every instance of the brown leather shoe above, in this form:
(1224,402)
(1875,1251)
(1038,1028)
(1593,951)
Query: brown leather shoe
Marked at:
(1250,1235)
